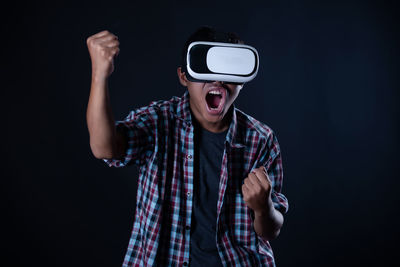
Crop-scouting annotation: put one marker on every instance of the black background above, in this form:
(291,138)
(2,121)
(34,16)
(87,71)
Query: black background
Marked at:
(328,86)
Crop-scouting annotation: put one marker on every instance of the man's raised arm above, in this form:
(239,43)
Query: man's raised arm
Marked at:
(105,141)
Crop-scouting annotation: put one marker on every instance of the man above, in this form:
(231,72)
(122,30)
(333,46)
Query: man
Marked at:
(209,191)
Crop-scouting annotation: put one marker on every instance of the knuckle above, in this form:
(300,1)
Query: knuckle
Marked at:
(90,41)
(95,44)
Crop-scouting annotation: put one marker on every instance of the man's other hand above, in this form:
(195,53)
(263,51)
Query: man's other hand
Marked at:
(256,191)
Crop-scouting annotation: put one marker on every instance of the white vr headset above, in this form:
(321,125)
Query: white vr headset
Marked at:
(225,62)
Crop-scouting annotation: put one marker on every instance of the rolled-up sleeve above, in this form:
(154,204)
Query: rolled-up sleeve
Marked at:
(138,127)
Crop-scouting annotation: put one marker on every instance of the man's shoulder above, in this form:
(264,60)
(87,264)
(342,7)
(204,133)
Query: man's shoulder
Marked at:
(158,107)
(252,125)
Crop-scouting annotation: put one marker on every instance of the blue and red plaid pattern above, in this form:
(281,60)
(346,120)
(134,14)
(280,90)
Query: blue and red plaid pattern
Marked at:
(160,142)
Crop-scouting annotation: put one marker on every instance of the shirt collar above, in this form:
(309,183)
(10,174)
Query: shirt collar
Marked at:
(233,136)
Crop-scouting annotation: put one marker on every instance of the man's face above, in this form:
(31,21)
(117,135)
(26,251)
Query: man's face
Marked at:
(210,101)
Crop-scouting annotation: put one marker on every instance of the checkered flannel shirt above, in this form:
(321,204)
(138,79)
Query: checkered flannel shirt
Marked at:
(160,143)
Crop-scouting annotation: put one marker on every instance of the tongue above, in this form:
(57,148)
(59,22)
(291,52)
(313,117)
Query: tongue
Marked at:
(213,100)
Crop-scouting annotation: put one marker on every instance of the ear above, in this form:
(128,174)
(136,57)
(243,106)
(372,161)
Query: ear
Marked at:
(182,77)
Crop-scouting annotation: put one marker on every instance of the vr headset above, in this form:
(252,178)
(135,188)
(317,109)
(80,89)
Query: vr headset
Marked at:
(225,62)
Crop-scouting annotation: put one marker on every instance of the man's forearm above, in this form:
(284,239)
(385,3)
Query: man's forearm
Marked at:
(268,223)
(100,120)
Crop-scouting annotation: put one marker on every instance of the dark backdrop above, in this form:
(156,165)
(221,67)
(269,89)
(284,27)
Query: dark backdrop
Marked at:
(328,86)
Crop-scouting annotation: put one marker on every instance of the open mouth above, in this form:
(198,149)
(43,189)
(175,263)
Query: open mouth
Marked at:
(215,100)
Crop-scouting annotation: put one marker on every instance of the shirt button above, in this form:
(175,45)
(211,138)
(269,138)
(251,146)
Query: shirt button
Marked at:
(189,194)
(185,263)
(189,156)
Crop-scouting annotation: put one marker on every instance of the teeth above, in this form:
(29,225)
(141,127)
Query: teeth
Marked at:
(214,92)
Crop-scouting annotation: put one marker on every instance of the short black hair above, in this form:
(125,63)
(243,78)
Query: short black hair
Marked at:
(209,34)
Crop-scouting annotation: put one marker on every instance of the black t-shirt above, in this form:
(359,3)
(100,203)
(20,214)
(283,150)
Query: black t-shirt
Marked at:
(209,149)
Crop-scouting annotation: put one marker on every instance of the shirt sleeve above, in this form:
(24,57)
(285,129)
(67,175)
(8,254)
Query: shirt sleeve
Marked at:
(139,127)
(275,174)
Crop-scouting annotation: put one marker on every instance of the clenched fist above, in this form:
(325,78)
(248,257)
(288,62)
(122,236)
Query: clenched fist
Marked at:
(103,48)
(256,191)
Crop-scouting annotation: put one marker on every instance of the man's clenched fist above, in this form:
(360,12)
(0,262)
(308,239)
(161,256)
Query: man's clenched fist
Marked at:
(103,47)
(256,191)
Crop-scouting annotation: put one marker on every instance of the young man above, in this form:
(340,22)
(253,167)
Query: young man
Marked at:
(209,191)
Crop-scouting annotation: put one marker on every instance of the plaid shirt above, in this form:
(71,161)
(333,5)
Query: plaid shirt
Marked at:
(160,142)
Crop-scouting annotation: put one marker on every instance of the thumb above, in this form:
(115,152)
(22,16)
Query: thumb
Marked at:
(264,170)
